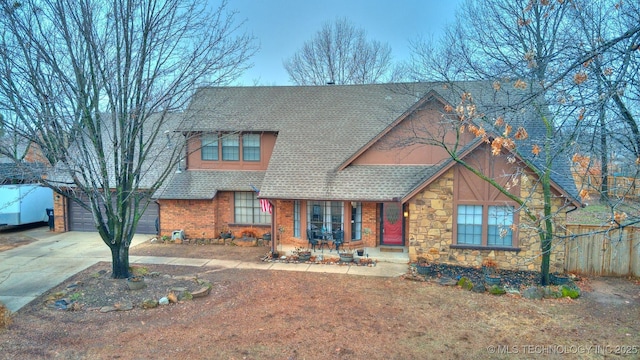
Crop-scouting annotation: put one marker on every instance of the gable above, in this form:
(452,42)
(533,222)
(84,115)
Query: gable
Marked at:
(404,142)
(469,187)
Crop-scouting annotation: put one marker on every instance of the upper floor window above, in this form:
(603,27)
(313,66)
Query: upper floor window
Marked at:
(251,147)
(227,146)
(231,147)
(209,148)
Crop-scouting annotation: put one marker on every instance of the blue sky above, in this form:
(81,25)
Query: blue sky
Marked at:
(282,27)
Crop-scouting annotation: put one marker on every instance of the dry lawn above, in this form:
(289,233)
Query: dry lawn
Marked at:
(258,314)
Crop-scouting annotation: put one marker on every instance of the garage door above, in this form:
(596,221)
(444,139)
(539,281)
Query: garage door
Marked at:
(82,220)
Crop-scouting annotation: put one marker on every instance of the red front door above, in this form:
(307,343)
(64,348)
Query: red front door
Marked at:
(392,224)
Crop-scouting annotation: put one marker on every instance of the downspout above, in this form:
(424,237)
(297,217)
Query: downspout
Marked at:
(274,234)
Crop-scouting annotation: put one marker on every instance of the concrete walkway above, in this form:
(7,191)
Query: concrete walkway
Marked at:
(28,271)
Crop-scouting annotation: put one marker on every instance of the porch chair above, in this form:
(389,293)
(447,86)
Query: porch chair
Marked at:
(313,241)
(338,239)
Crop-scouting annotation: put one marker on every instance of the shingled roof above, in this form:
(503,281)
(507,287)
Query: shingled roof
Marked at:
(319,129)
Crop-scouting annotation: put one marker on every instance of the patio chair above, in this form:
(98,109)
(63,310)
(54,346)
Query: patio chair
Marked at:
(313,241)
(338,239)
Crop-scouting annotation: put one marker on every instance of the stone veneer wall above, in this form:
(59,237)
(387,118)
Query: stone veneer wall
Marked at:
(430,230)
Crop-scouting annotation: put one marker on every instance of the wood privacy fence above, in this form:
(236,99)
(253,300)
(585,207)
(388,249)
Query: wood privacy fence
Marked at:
(610,253)
(619,186)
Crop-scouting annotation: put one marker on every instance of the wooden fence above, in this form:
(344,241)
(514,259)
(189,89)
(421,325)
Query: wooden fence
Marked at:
(619,186)
(611,253)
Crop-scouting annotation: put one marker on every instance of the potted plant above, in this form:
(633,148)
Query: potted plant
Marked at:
(559,279)
(490,270)
(423,266)
(303,254)
(135,282)
(226,233)
(346,254)
(249,234)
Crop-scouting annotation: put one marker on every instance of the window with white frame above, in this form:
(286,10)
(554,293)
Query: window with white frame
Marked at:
(356,221)
(296,218)
(209,146)
(325,216)
(500,222)
(485,225)
(247,209)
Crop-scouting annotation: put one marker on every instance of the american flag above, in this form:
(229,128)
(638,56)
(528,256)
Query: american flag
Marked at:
(265,204)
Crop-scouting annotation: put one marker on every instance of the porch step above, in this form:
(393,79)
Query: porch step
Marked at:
(391,249)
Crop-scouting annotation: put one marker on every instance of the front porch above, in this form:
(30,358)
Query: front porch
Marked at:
(380,253)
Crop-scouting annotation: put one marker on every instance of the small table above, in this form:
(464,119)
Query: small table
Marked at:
(324,240)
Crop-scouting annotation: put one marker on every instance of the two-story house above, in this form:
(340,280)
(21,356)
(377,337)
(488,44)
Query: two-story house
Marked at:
(354,159)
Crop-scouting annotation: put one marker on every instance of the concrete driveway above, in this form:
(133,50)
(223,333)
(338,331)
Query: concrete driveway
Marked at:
(30,270)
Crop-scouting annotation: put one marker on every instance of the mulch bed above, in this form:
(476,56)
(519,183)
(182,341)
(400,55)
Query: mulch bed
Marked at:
(509,278)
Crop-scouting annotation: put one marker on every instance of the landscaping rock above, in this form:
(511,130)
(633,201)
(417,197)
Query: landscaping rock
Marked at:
(550,293)
(533,293)
(172,297)
(163,301)
(497,290)
(446,281)
(202,292)
(478,288)
(149,304)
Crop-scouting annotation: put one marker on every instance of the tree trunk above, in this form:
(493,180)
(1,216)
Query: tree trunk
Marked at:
(546,257)
(120,261)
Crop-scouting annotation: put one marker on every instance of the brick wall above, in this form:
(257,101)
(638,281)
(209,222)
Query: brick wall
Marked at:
(285,219)
(60,212)
(202,219)
(196,217)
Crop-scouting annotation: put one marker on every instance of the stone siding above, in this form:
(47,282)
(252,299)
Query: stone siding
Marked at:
(430,230)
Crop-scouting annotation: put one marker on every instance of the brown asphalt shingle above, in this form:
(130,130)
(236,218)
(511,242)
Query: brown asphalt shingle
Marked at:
(319,128)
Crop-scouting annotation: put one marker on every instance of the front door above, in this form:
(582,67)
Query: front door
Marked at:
(392,224)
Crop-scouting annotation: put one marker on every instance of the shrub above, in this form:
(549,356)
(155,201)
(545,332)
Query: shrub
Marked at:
(249,233)
(570,291)
(5,316)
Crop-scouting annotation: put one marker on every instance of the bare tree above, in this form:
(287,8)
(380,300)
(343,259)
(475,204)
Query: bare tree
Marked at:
(339,54)
(96,86)
(528,42)
(605,83)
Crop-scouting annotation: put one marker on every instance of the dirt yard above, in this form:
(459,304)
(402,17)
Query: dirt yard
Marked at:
(258,314)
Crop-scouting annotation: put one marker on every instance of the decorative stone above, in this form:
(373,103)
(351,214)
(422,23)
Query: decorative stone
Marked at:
(202,292)
(149,304)
(125,306)
(533,293)
(446,281)
(172,297)
(163,301)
